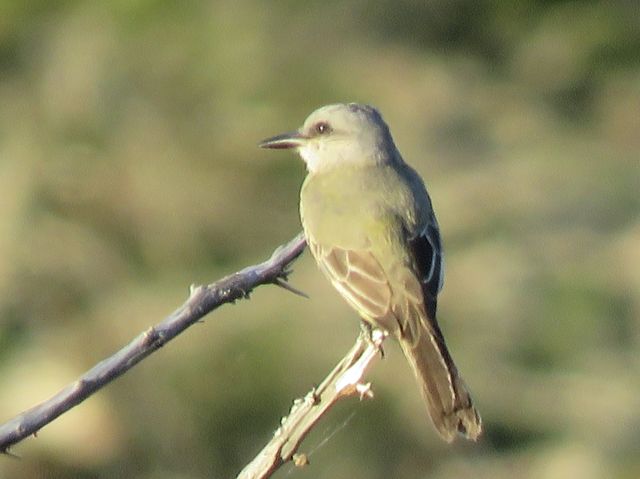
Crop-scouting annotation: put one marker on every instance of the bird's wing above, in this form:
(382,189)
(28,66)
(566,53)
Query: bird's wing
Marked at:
(358,277)
(426,249)
(362,281)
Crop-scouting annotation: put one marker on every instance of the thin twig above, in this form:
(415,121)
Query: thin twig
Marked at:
(344,381)
(202,300)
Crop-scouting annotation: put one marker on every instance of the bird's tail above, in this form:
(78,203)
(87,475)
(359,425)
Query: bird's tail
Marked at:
(448,401)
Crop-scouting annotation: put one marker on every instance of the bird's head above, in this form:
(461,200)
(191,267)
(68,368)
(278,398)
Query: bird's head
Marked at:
(337,135)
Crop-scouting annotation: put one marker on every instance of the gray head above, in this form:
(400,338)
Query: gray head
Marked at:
(339,134)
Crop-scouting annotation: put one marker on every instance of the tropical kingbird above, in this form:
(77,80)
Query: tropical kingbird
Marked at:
(370,225)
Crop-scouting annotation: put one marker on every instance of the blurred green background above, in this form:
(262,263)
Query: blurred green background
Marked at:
(129,170)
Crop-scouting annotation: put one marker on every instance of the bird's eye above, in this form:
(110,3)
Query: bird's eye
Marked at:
(322,128)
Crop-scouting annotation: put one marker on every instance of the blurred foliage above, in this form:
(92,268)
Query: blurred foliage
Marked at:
(128,171)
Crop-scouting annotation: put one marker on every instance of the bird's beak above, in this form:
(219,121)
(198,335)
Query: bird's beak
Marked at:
(292,139)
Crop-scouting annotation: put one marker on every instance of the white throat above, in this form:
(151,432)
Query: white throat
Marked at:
(311,156)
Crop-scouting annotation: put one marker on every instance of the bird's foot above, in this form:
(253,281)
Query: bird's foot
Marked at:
(373,336)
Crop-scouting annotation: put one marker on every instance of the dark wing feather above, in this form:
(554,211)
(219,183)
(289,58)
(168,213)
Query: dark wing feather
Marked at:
(427,253)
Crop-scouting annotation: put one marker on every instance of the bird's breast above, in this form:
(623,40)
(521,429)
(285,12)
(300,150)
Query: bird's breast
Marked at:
(352,208)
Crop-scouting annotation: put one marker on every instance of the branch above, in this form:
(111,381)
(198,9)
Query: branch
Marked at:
(343,381)
(202,300)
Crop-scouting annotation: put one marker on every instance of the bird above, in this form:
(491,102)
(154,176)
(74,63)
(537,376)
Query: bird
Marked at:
(369,223)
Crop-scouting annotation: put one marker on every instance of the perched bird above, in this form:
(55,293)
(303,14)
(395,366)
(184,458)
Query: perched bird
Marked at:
(369,223)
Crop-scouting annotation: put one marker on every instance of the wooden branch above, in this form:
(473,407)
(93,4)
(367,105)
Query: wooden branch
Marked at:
(202,300)
(344,381)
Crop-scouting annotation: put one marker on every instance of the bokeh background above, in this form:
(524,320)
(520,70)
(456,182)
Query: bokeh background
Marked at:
(129,170)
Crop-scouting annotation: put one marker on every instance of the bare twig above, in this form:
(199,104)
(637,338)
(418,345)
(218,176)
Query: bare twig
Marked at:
(202,300)
(343,381)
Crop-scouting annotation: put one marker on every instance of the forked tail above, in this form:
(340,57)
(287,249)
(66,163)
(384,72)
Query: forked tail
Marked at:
(448,401)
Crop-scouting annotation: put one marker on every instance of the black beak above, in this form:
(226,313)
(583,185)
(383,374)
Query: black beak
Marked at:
(292,139)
